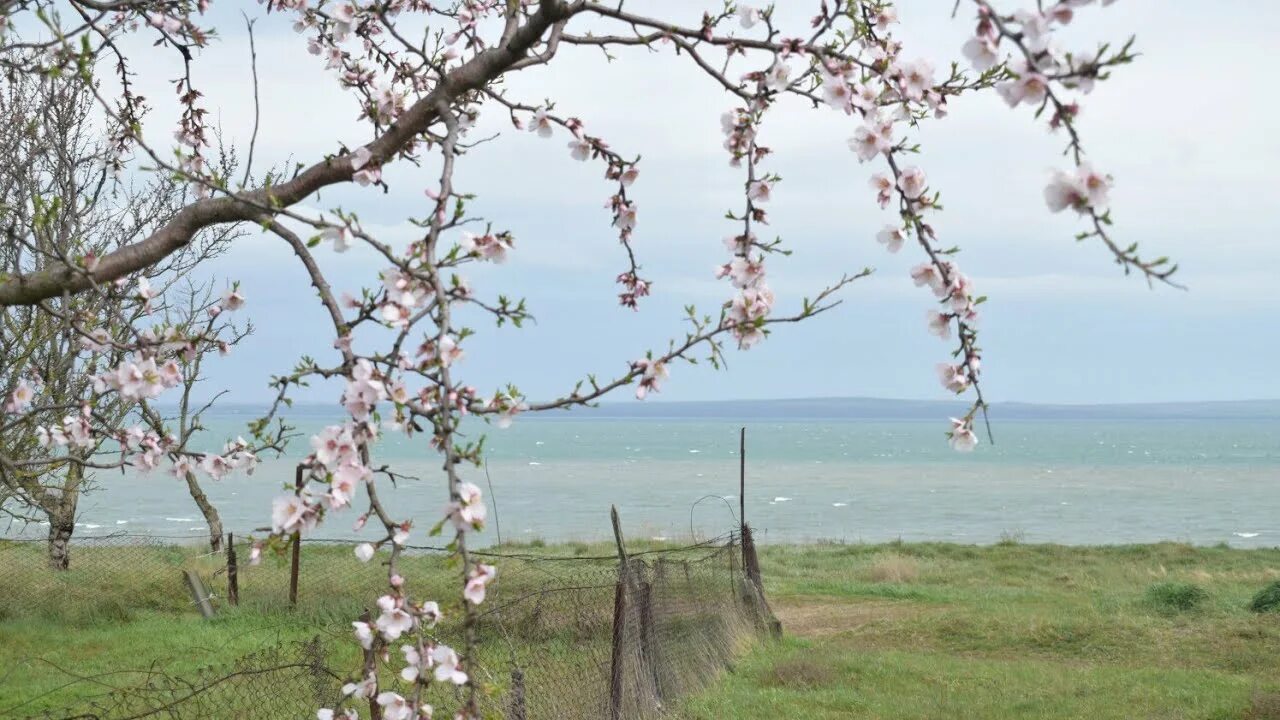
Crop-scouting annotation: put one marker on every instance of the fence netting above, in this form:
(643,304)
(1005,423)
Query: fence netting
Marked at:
(563,634)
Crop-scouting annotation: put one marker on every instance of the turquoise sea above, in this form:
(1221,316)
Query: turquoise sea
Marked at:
(1084,481)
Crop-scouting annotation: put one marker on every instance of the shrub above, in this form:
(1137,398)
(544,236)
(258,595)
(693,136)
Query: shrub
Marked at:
(1176,596)
(1267,599)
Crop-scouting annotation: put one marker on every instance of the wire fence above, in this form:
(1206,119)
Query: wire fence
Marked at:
(563,633)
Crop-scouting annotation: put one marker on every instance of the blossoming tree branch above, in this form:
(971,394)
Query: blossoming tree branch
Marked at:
(423,73)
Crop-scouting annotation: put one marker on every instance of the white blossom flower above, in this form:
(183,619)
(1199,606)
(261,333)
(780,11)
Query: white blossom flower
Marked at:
(446,663)
(364,552)
(395,707)
(394,621)
(580,149)
(982,52)
(364,634)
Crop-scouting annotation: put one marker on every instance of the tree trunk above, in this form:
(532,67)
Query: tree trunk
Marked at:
(60,529)
(62,518)
(211,517)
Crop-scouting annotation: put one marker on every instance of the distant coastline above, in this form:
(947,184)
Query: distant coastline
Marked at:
(858,408)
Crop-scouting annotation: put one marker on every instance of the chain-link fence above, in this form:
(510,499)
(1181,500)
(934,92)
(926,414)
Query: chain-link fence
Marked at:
(563,633)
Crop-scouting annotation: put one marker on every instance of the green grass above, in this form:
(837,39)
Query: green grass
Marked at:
(1011,631)
(65,637)
(872,631)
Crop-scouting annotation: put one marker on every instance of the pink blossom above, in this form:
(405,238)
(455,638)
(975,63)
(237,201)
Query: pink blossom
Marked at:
(394,621)
(872,138)
(652,375)
(363,689)
(290,514)
(883,187)
(469,510)
(360,158)
(891,237)
(917,78)
(953,377)
(760,191)
(580,149)
(367,176)
(778,76)
(1035,29)
(961,436)
(626,217)
(479,578)
(21,398)
(338,235)
(911,182)
(541,124)
(1028,87)
(1081,191)
(939,324)
(430,613)
(364,552)
(487,247)
(232,300)
(415,663)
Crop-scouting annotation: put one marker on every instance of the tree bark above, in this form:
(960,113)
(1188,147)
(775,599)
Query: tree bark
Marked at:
(211,517)
(60,529)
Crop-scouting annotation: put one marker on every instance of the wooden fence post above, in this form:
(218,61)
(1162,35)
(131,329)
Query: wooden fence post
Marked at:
(619,621)
(297,550)
(233,572)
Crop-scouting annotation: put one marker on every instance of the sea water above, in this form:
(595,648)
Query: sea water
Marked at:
(1075,482)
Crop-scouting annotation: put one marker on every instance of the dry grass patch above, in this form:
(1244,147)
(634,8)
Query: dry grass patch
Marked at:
(1263,706)
(893,568)
(825,617)
(799,673)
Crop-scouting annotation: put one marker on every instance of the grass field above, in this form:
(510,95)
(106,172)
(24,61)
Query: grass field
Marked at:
(1011,631)
(872,631)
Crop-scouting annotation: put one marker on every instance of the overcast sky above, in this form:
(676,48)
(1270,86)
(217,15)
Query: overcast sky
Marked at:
(1188,132)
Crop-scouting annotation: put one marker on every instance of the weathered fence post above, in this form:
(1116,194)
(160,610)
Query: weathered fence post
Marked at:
(648,645)
(297,550)
(516,707)
(199,595)
(757,583)
(619,621)
(233,572)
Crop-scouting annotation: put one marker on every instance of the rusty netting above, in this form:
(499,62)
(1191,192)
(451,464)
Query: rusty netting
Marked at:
(564,636)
